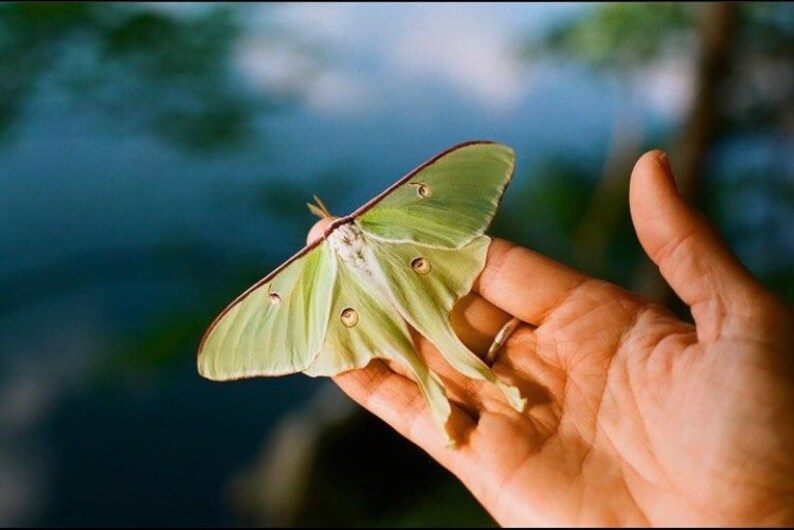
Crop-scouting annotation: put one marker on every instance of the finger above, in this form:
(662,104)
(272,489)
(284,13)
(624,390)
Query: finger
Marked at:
(691,256)
(524,283)
(476,321)
(398,401)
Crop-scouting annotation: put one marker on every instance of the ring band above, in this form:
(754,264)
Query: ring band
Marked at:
(500,339)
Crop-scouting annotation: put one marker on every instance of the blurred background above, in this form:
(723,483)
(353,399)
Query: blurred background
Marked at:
(155,160)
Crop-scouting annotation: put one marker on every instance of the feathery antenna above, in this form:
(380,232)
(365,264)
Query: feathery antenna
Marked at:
(318,208)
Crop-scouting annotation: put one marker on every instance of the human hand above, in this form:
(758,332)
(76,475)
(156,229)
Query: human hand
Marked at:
(633,416)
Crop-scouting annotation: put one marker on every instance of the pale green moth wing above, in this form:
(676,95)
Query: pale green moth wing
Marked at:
(424,283)
(328,310)
(277,326)
(363,325)
(446,202)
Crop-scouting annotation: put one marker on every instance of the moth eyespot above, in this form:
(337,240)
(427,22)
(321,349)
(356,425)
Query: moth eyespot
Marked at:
(274,298)
(421,189)
(420,265)
(349,317)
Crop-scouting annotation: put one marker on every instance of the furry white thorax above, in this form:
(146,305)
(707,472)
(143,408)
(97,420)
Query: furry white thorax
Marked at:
(349,244)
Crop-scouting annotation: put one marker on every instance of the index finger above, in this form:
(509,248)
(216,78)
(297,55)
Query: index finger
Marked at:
(524,283)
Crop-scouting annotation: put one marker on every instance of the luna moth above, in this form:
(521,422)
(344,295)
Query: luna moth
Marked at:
(402,259)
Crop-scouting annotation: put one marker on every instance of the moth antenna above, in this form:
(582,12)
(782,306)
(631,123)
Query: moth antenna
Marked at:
(322,205)
(316,211)
(319,209)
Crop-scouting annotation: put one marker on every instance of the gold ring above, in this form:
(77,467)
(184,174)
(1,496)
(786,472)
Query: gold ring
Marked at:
(500,339)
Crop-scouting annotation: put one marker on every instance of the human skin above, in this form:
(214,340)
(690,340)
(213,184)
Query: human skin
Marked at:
(634,417)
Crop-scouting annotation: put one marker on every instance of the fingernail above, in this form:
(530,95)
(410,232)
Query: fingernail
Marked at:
(665,160)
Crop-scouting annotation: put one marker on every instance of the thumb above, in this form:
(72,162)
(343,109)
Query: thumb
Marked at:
(691,256)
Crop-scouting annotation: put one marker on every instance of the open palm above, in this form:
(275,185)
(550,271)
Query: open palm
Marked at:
(633,416)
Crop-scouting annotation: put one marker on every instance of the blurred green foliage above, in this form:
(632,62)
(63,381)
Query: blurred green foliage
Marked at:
(149,70)
(616,35)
